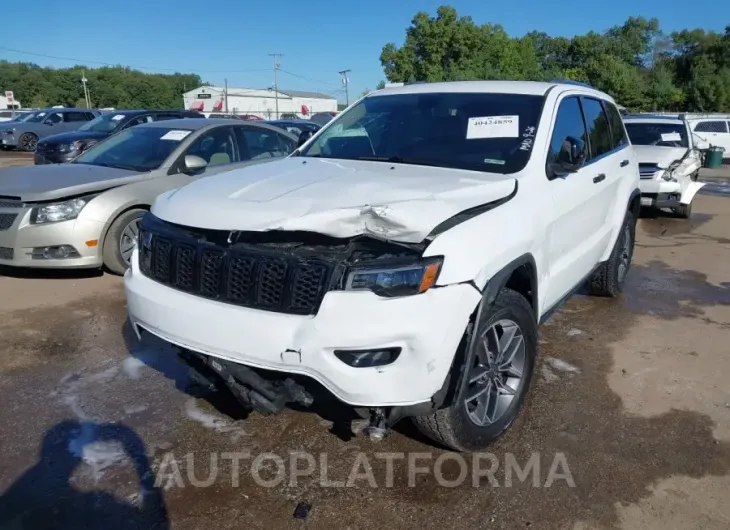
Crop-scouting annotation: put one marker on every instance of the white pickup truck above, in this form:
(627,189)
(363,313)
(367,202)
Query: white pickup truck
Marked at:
(669,161)
(406,266)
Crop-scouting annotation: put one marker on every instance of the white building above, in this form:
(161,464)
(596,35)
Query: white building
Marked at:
(259,102)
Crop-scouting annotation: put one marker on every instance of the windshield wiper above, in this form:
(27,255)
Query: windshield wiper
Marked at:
(399,160)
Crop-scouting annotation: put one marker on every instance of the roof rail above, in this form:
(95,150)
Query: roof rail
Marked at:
(571,82)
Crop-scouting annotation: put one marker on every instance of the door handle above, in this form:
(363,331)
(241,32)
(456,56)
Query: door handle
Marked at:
(624,163)
(599,178)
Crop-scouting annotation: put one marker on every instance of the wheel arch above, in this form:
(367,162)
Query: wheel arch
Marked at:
(121,211)
(520,275)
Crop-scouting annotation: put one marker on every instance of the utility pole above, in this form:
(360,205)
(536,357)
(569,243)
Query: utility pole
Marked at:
(86,91)
(346,82)
(225,93)
(276,80)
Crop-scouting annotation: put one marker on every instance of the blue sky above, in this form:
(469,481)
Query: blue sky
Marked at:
(232,38)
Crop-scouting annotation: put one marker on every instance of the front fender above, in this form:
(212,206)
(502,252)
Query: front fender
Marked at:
(689,190)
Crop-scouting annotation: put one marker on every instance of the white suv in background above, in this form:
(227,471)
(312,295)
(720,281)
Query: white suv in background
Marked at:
(713,129)
(405,269)
(669,161)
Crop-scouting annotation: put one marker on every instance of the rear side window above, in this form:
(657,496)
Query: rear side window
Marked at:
(167,116)
(74,116)
(711,127)
(89,116)
(618,133)
(568,123)
(599,134)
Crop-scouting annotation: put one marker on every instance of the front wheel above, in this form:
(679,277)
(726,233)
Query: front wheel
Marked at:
(610,277)
(28,142)
(493,380)
(121,240)
(684,211)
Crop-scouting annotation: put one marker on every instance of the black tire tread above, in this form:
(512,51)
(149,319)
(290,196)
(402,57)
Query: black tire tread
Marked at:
(684,211)
(604,281)
(439,426)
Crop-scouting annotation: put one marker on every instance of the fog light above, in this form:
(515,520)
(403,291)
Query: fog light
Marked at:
(55,252)
(368,358)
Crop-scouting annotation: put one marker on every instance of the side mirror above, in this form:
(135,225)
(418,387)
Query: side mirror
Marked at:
(194,163)
(571,157)
(304,137)
(701,144)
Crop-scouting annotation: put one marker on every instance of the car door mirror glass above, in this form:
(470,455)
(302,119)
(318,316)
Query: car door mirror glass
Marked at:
(194,163)
(571,157)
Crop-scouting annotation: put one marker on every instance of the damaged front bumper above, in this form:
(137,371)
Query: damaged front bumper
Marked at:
(661,193)
(425,329)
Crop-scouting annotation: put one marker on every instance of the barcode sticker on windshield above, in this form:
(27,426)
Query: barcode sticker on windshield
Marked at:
(671,137)
(175,135)
(493,127)
(118,117)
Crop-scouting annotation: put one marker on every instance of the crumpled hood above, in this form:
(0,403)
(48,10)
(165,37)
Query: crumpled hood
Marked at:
(56,181)
(340,198)
(661,156)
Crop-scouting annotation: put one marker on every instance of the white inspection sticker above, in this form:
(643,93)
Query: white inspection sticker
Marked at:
(493,127)
(175,135)
(118,117)
(671,137)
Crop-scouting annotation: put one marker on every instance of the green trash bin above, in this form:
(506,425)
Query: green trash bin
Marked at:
(713,158)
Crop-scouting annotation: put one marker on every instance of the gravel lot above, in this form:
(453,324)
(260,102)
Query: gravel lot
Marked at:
(632,393)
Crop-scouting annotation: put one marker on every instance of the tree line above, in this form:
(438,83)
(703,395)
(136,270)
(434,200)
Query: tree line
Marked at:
(643,68)
(115,86)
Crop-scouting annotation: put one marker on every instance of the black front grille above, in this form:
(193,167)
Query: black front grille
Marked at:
(46,148)
(267,280)
(7,220)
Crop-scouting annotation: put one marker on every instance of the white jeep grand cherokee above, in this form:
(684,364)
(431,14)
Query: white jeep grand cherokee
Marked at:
(403,257)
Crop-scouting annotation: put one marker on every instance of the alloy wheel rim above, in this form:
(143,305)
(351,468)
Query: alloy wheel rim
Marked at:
(496,373)
(128,240)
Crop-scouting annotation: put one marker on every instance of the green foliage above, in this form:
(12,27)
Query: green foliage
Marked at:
(637,64)
(117,86)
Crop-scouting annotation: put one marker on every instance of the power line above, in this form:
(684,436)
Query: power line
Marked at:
(308,78)
(346,82)
(85,61)
(276,80)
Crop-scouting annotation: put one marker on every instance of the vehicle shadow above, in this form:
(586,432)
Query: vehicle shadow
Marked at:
(49,274)
(45,498)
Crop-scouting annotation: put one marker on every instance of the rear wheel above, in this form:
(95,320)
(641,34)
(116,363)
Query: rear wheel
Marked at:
(121,240)
(28,142)
(610,277)
(493,381)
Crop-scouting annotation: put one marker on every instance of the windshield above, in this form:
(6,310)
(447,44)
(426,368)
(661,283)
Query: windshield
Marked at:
(33,117)
(473,131)
(659,134)
(105,123)
(138,148)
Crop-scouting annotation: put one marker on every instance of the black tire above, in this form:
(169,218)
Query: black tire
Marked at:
(684,211)
(27,142)
(451,426)
(609,279)
(112,253)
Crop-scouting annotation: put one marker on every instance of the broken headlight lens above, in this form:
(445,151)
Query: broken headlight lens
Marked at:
(397,280)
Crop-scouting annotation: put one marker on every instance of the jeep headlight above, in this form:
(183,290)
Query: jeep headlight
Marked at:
(70,147)
(401,279)
(60,211)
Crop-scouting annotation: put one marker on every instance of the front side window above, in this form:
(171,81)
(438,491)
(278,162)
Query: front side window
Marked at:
(137,148)
(711,127)
(658,134)
(599,134)
(472,131)
(217,147)
(569,126)
(262,143)
(55,117)
(106,123)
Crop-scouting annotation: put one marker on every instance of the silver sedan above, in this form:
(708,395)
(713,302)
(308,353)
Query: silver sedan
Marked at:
(84,214)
